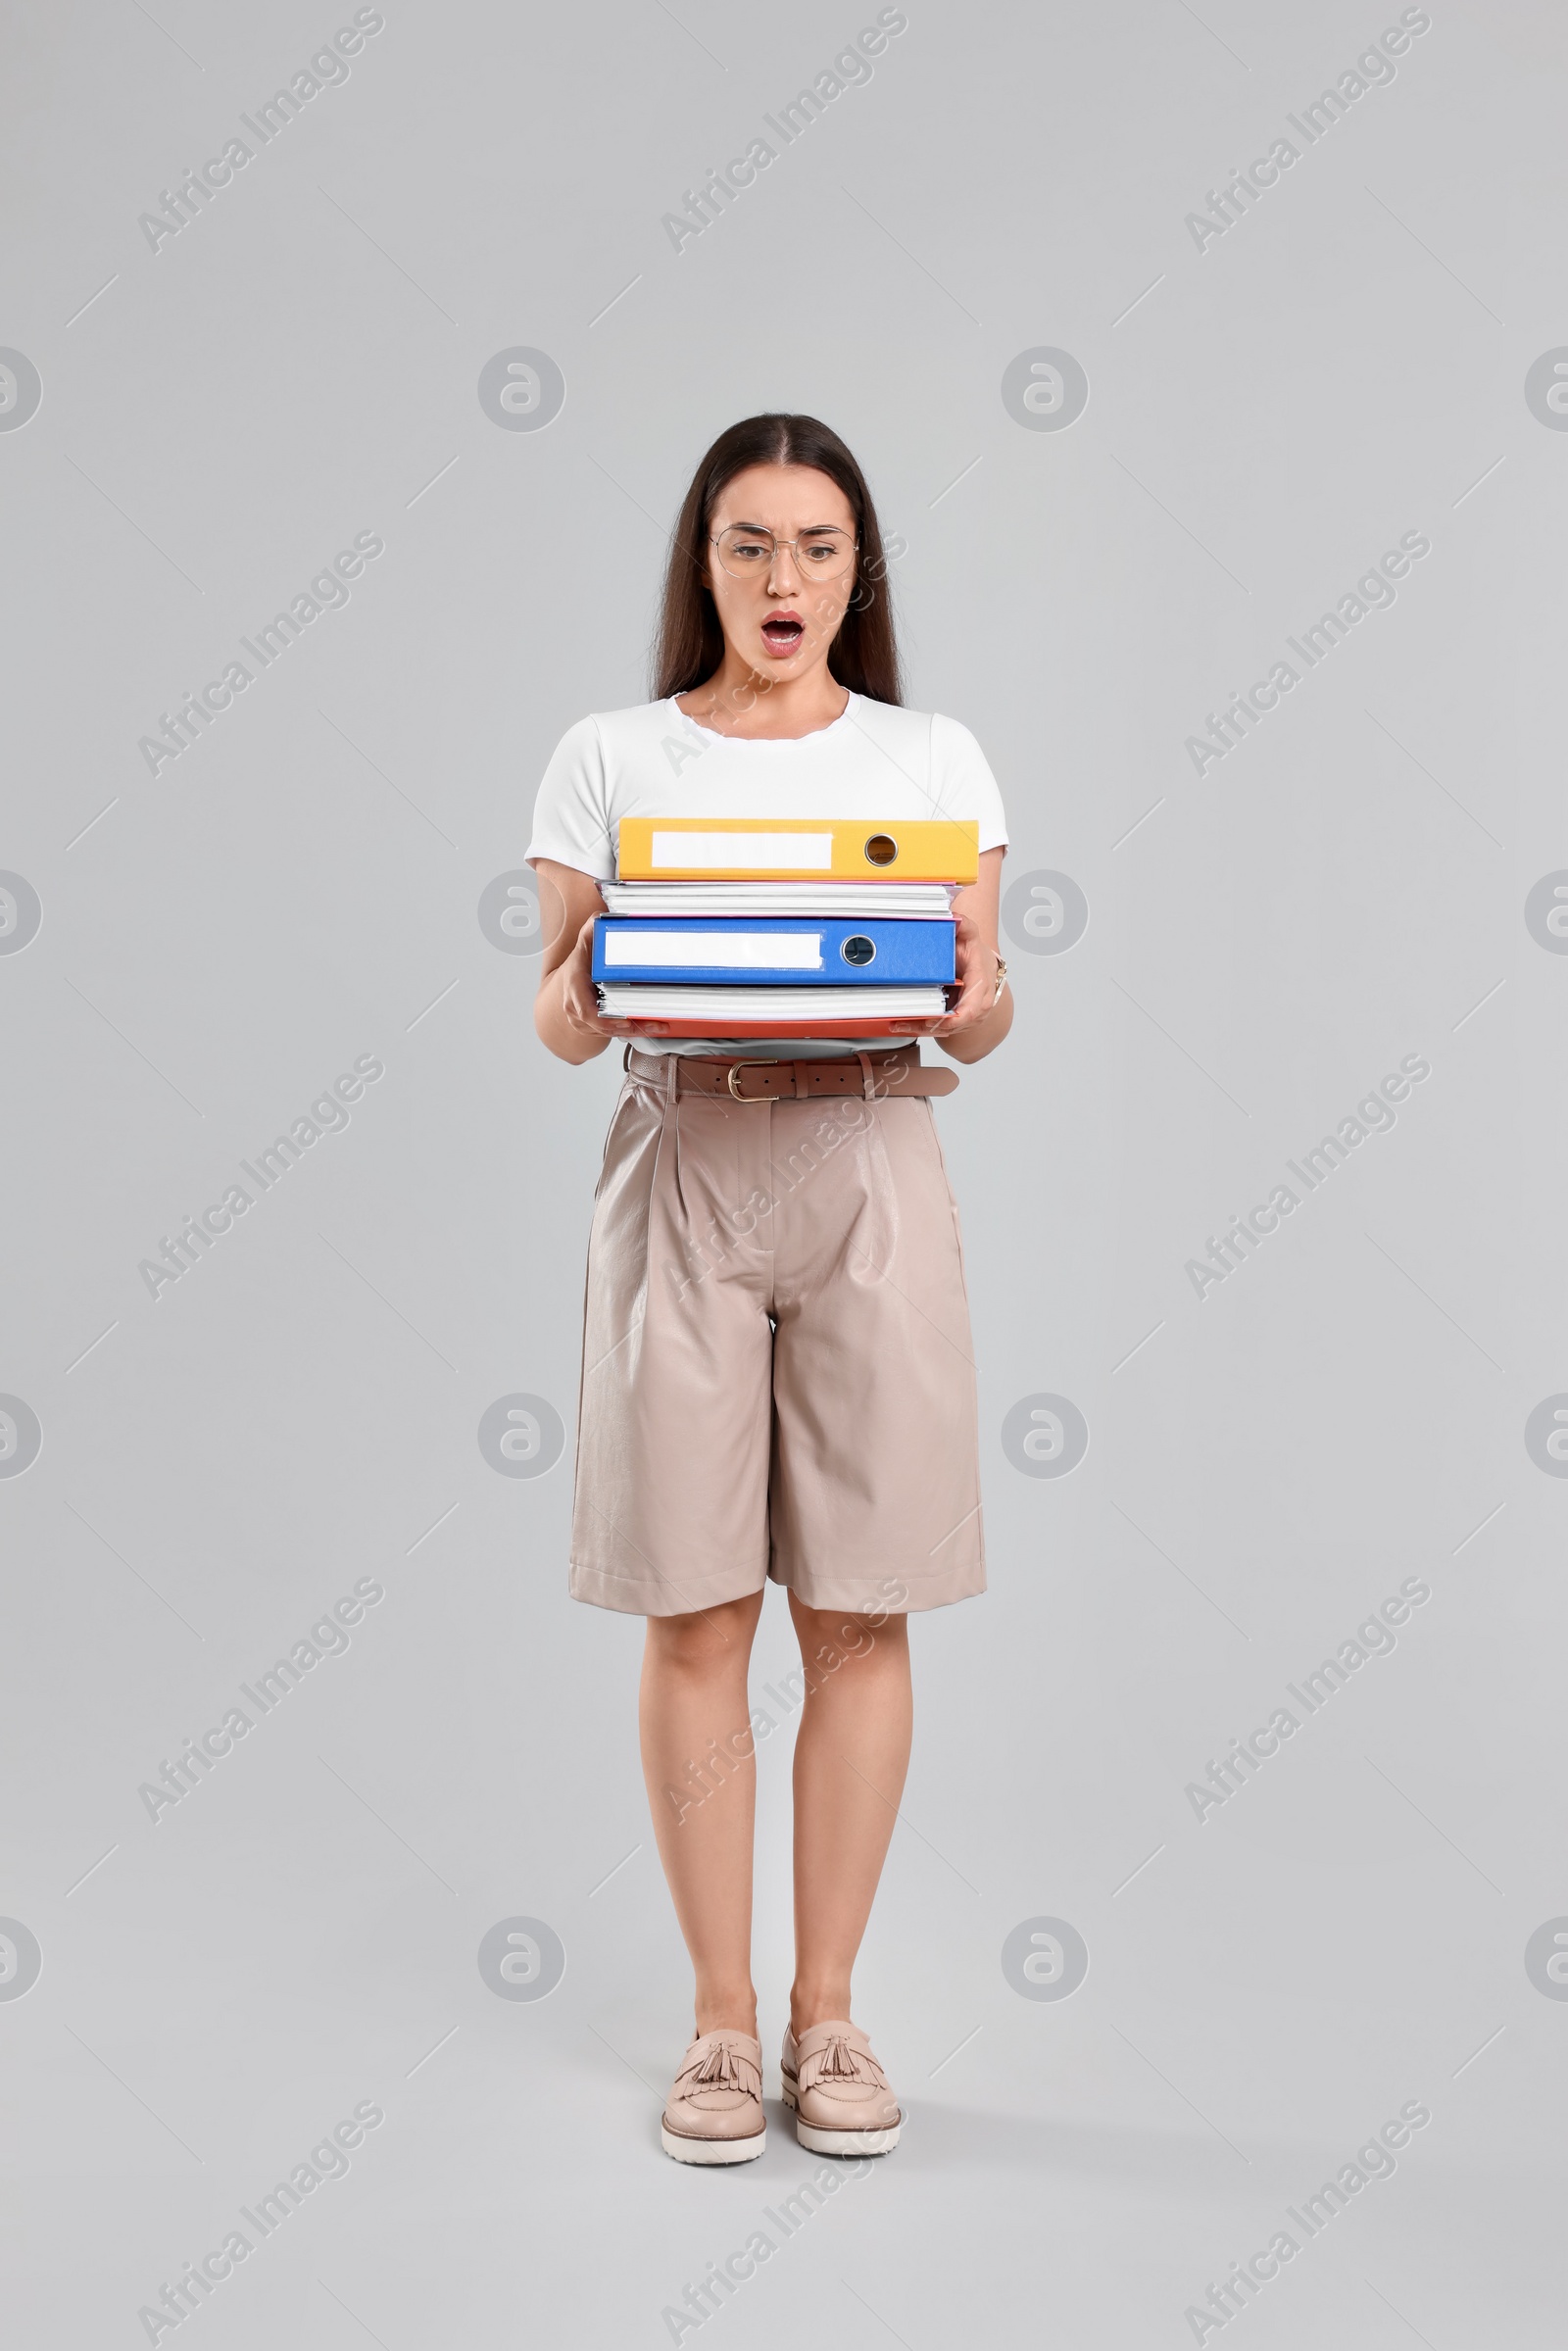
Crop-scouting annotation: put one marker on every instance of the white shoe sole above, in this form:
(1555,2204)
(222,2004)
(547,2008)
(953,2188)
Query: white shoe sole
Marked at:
(713,2150)
(840,2143)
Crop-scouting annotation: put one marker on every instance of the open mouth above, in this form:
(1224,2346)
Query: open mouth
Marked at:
(782,633)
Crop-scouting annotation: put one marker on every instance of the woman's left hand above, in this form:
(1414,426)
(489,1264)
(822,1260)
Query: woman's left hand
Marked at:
(976,965)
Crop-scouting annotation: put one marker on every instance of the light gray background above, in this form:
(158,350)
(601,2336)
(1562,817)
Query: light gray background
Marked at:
(301,1410)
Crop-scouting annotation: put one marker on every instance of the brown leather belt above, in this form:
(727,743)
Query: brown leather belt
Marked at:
(876,1076)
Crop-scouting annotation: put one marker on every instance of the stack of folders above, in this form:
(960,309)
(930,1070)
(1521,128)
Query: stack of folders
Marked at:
(753,926)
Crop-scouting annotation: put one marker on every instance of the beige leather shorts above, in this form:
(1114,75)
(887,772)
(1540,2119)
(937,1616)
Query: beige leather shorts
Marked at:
(777,1377)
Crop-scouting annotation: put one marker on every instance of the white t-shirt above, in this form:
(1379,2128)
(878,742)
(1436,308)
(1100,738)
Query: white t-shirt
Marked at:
(873,760)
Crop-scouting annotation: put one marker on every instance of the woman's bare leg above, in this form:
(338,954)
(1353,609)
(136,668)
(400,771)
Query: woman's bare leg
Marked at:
(851,1757)
(702,1785)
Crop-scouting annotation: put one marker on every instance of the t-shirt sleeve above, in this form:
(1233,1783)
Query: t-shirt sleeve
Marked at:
(962,782)
(571,814)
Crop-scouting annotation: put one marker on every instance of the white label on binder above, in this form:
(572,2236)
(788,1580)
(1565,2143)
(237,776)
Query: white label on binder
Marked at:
(690,951)
(758,851)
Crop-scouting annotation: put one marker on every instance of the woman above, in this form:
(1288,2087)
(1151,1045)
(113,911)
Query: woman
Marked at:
(777,1377)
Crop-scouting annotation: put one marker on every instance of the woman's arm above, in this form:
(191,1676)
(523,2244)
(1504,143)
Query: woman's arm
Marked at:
(566,1009)
(980,1018)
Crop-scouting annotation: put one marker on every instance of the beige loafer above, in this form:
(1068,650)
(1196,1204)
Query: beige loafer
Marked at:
(838,2092)
(715,2113)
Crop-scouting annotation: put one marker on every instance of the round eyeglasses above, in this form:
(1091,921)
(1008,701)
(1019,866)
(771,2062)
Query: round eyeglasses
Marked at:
(748,554)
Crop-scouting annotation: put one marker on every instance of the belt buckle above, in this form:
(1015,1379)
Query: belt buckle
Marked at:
(735,1090)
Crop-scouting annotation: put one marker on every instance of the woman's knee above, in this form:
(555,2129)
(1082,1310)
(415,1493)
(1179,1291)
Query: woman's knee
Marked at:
(830,1638)
(708,1641)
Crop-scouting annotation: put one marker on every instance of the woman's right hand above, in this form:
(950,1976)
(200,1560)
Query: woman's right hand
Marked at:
(565,1014)
(580,998)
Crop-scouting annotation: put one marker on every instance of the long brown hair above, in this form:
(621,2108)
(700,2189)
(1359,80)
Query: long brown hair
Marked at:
(690,646)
